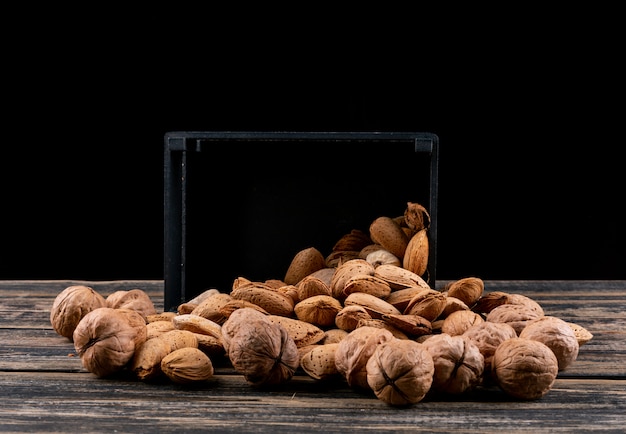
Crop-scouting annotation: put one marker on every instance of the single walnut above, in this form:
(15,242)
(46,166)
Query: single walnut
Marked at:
(71,305)
(264,355)
(105,341)
(354,351)
(557,335)
(487,336)
(516,315)
(524,368)
(400,372)
(242,315)
(459,364)
(135,299)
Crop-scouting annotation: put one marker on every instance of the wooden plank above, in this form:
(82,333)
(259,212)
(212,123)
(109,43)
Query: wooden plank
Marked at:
(80,402)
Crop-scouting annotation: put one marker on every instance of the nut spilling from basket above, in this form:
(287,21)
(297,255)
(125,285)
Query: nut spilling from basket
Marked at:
(364,314)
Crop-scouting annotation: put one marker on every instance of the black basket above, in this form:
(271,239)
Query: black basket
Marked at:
(242,204)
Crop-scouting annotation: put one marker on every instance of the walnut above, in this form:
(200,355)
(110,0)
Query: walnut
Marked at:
(355,349)
(136,299)
(487,336)
(557,335)
(400,372)
(459,364)
(71,305)
(238,316)
(262,351)
(105,341)
(524,368)
(516,315)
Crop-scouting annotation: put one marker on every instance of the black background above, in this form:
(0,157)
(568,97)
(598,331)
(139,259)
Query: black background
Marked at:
(528,114)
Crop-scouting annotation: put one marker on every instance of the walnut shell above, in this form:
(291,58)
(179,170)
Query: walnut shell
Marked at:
(105,341)
(400,372)
(557,335)
(135,299)
(459,364)
(524,368)
(487,336)
(71,305)
(187,365)
(516,315)
(263,355)
(355,349)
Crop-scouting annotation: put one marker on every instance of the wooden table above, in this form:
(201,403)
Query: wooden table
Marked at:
(46,389)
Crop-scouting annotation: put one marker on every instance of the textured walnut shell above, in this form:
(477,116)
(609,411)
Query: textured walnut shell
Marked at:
(319,310)
(467,289)
(105,341)
(354,351)
(187,365)
(516,315)
(71,305)
(416,255)
(264,356)
(135,299)
(305,262)
(389,234)
(240,316)
(523,368)
(136,320)
(400,372)
(557,335)
(487,336)
(459,364)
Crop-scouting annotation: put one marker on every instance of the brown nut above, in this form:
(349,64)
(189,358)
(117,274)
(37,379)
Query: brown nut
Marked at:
(319,362)
(187,365)
(459,321)
(487,336)
(303,333)
(416,254)
(135,299)
(263,355)
(516,315)
(305,262)
(389,234)
(105,341)
(319,310)
(355,350)
(557,335)
(71,305)
(524,368)
(459,364)
(400,372)
(345,271)
(146,361)
(467,289)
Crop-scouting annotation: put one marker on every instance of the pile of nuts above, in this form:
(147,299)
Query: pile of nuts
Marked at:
(364,314)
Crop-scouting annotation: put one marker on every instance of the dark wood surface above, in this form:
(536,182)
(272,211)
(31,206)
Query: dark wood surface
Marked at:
(44,387)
